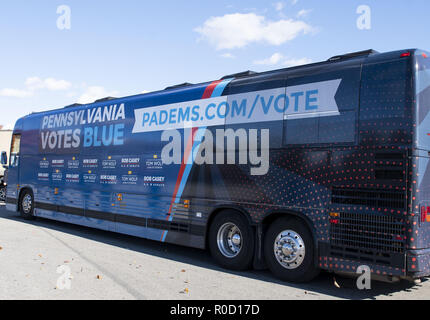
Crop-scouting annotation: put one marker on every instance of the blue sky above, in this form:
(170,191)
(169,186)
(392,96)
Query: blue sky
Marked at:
(131,46)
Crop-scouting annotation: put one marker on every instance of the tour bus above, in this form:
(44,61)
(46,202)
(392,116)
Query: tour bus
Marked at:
(321,166)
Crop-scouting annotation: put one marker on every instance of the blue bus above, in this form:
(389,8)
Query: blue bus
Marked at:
(321,166)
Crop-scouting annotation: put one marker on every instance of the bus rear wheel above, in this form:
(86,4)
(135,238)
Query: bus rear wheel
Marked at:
(231,241)
(26,205)
(289,251)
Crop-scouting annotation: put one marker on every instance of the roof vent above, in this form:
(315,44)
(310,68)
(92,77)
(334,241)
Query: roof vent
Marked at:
(353,55)
(74,105)
(240,74)
(105,99)
(185,84)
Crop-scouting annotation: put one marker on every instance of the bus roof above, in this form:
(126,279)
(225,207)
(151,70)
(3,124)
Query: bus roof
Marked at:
(366,54)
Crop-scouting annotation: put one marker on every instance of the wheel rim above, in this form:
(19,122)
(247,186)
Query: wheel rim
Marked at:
(2,194)
(229,239)
(27,203)
(289,249)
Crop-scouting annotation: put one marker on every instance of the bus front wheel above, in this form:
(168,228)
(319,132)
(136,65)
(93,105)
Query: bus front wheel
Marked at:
(27,205)
(289,250)
(2,193)
(231,240)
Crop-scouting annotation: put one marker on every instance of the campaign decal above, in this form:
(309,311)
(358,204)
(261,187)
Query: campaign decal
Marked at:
(93,127)
(308,100)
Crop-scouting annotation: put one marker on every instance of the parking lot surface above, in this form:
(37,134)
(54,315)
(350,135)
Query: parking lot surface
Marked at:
(45,259)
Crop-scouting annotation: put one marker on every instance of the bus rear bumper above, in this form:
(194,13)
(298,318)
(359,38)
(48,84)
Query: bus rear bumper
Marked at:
(418,263)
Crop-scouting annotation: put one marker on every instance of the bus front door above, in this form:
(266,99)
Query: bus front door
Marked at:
(13,171)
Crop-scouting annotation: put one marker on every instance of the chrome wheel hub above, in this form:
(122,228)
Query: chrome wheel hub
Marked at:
(236,239)
(229,240)
(27,203)
(289,249)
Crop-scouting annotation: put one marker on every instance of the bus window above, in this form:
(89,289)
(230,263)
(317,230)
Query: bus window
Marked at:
(301,131)
(337,129)
(323,107)
(383,90)
(14,150)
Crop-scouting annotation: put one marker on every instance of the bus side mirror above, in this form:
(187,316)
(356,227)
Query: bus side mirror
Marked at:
(4,158)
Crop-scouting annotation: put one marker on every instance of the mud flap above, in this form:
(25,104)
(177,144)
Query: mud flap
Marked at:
(259,263)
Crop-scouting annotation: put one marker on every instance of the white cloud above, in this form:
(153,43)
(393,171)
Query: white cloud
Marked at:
(228,56)
(279,6)
(272,60)
(71,94)
(35,83)
(15,93)
(240,29)
(32,84)
(279,59)
(94,93)
(303,13)
(296,62)
(294,2)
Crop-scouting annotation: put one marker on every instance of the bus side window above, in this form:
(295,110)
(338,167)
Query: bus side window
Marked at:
(14,150)
(384,89)
(324,128)
(301,131)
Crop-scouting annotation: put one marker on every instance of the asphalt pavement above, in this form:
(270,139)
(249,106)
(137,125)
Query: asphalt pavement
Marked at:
(45,259)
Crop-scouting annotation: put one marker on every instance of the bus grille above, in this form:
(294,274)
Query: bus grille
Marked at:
(390,166)
(383,234)
(369,198)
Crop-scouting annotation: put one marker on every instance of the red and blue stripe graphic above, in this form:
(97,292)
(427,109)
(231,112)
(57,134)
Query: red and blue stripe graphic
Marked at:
(215,89)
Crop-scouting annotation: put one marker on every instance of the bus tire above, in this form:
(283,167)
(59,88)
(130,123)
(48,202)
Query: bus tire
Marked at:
(231,240)
(289,250)
(26,205)
(2,193)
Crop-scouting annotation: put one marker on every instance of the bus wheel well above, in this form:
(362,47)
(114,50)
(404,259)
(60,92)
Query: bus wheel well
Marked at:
(217,212)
